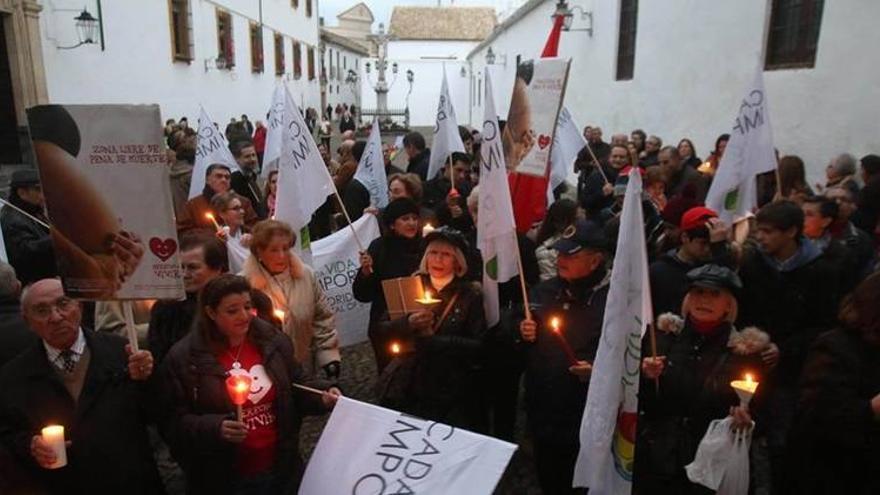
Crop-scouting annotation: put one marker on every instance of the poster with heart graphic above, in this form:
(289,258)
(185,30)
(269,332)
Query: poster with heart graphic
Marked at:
(538,91)
(104,174)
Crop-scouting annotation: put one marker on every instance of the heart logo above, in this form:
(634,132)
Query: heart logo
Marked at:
(163,249)
(260,382)
(543,141)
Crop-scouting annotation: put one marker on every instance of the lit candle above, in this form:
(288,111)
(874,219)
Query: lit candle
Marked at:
(238,387)
(279,314)
(427,229)
(569,353)
(395,348)
(210,216)
(428,299)
(705,168)
(54,436)
(745,389)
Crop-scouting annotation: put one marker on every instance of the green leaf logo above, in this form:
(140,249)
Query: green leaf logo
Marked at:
(492,268)
(731,200)
(305,239)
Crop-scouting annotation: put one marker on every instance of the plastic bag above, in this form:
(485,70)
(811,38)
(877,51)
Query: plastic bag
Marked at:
(736,476)
(713,454)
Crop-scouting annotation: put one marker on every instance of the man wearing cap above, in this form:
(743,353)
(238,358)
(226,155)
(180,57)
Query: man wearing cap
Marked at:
(556,384)
(703,239)
(27,242)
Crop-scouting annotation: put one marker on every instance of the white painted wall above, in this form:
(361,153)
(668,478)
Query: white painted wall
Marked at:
(138,67)
(693,61)
(426,59)
(338,91)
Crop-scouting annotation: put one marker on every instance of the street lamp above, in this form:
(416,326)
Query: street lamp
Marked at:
(562,9)
(89,29)
(492,57)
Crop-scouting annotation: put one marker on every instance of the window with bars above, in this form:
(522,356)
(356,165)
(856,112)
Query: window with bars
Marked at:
(256,47)
(297,60)
(626,41)
(181,30)
(225,42)
(311,62)
(279,54)
(794,33)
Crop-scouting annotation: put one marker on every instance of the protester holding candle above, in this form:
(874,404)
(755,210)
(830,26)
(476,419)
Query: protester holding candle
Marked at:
(219,453)
(88,383)
(274,269)
(556,387)
(217,181)
(229,206)
(688,384)
(436,378)
(834,446)
(395,254)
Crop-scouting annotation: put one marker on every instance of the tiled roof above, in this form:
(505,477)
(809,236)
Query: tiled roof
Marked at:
(442,23)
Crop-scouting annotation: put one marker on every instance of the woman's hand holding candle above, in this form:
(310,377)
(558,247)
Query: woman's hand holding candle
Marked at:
(742,420)
(233,431)
(140,364)
(421,321)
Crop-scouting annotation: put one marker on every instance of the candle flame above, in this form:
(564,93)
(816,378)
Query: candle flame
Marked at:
(749,378)
(279,314)
(241,386)
(428,295)
(427,229)
(395,348)
(554,324)
(209,216)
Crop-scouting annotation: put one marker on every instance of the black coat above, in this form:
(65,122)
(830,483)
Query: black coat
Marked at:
(441,369)
(110,450)
(676,184)
(669,282)
(419,164)
(393,257)
(193,391)
(555,397)
(356,199)
(694,390)
(15,336)
(590,184)
(834,446)
(170,321)
(28,244)
(247,186)
(793,306)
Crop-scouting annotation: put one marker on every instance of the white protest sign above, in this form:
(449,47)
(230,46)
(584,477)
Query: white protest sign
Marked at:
(336,261)
(387,452)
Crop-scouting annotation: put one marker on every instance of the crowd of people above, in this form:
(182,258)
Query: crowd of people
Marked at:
(788,296)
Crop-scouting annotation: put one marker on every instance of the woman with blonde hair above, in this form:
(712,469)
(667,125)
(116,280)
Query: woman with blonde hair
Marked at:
(687,385)
(307,318)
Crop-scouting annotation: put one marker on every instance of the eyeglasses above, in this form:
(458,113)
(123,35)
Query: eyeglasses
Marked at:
(235,208)
(44,310)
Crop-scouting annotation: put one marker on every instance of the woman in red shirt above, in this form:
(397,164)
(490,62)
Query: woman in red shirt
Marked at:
(220,453)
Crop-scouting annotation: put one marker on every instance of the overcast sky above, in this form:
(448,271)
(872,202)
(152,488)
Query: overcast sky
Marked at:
(382,8)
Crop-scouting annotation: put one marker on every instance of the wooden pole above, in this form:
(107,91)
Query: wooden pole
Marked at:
(522,279)
(35,219)
(596,163)
(653,336)
(347,218)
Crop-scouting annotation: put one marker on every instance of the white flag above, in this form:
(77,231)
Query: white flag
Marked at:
(368,449)
(608,426)
(567,143)
(446,137)
(371,169)
(3,256)
(496,228)
(336,260)
(272,152)
(211,148)
(749,152)
(303,180)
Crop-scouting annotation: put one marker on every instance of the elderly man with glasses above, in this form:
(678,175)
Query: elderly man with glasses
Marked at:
(89,383)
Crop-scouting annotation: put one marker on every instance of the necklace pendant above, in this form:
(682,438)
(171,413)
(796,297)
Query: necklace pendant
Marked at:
(236,365)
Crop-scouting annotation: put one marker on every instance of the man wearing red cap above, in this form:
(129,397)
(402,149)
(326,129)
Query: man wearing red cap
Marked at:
(703,239)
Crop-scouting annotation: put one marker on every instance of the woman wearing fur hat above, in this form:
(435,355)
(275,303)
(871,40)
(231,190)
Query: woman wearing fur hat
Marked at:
(688,384)
(440,347)
(273,269)
(395,254)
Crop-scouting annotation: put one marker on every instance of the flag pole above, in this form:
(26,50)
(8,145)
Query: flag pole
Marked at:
(35,219)
(522,279)
(345,212)
(653,336)
(596,162)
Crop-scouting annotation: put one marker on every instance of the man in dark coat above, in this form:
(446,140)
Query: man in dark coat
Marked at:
(556,385)
(867,215)
(595,193)
(217,181)
(14,333)
(90,384)
(791,292)
(355,196)
(27,242)
(203,258)
(703,240)
(244,180)
(678,176)
(418,153)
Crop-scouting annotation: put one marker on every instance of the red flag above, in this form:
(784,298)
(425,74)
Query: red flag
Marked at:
(529,193)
